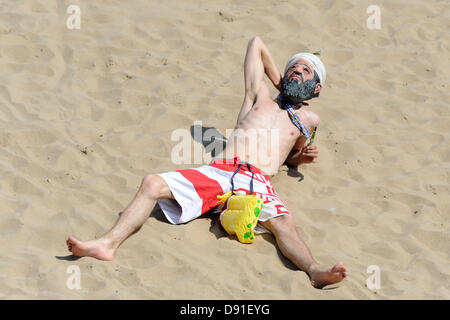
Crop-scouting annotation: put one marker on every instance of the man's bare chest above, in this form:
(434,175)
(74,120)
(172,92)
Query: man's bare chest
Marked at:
(267,115)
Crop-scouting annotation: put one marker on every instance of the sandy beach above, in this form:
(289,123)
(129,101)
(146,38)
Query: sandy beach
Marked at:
(86,113)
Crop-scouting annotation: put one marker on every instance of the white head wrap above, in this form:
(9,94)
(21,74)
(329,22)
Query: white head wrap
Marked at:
(318,66)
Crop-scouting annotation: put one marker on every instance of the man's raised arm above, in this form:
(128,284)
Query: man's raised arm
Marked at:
(257,62)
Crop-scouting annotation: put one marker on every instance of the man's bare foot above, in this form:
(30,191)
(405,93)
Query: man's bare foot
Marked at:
(100,249)
(323,276)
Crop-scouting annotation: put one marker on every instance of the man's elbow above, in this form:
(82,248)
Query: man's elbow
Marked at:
(255,39)
(255,42)
(294,158)
(293,162)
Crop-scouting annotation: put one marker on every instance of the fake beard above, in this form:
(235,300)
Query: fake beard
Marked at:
(294,92)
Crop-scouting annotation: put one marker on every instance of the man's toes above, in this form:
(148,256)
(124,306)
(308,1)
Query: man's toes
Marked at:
(341,270)
(73,241)
(339,267)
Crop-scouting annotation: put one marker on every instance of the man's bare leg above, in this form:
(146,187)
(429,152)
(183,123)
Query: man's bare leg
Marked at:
(152,188)
(293,248)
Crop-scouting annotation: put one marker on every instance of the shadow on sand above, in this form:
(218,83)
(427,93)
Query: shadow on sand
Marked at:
(211,138)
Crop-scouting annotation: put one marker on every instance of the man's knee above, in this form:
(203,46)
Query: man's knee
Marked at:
(155,187)
(283,224)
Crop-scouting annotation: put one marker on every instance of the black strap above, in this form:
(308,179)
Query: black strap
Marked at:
(249,166)
(231,180)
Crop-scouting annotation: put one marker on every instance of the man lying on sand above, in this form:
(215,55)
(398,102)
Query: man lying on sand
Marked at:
(184,195)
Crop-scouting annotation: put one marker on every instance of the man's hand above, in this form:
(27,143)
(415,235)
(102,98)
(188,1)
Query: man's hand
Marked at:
(309,154)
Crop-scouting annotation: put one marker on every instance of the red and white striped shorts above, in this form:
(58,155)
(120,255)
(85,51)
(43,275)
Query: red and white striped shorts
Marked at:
(195,190)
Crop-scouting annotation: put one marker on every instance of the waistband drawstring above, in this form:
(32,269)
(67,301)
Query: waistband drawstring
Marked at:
(249,166)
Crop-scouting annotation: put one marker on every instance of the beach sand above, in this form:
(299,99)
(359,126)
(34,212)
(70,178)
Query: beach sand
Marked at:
(86,113)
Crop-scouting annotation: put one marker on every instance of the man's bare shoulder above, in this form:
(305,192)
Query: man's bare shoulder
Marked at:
(309,118)
(314,118)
